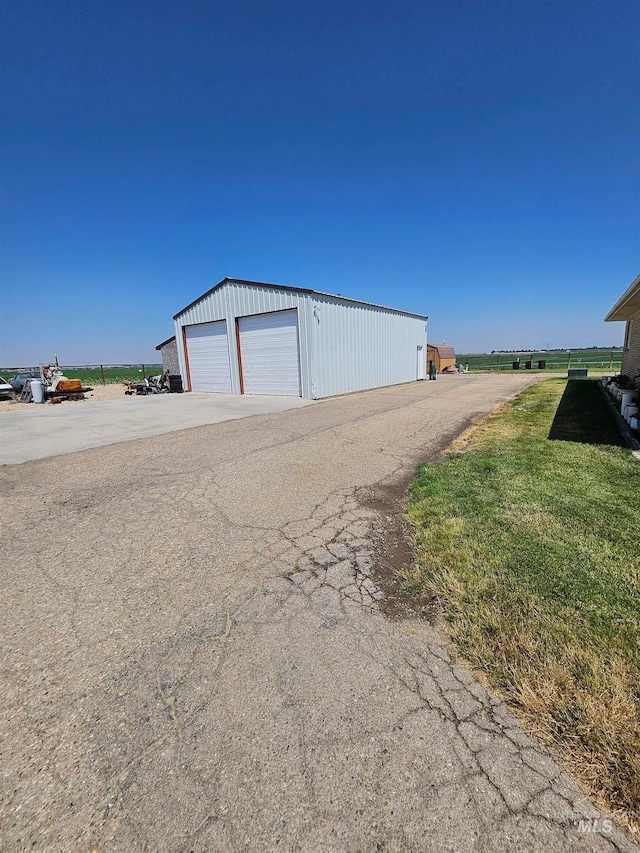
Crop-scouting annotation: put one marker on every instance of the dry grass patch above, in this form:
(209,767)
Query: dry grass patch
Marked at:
(534,545)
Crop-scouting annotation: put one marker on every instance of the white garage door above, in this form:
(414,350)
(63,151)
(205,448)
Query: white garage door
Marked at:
(208,354)
(269,353)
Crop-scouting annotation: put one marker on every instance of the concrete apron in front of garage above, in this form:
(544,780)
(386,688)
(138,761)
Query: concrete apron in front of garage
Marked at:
(196,655)
(43,430)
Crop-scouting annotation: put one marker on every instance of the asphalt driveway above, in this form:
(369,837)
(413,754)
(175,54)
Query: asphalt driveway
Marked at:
(195,656)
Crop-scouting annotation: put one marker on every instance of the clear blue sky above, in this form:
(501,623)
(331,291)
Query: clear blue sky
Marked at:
(475,161)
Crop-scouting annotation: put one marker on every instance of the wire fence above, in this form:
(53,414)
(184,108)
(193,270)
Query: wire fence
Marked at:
(95,374)
(554,362)
(543,361)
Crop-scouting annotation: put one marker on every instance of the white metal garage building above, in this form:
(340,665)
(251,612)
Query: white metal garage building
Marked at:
(246,337)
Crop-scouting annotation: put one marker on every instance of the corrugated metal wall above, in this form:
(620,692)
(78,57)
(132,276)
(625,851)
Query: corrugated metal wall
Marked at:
(356,347)
(344,346)
(233,300)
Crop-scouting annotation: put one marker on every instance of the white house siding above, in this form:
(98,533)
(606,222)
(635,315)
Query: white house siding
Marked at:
(631,354)
(359,346)
(240,299)
(627,308)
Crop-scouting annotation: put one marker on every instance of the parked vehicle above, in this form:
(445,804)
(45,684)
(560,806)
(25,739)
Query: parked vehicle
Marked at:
(18,381)
(5,387)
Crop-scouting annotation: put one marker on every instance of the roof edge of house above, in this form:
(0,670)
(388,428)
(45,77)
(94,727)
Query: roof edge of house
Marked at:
(618,309)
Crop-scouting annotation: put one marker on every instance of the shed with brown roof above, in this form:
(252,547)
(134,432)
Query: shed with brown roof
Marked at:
(442,354)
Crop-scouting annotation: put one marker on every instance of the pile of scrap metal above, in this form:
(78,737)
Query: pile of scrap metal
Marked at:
(150,385)
(53,386)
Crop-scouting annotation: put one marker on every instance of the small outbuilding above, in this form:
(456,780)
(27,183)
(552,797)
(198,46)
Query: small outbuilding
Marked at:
(442,354)
(249,337)
(169,351)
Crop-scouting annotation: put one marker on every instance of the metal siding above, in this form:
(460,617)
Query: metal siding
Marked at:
(344,346)
(240,300)
(208,351)
(357,347)
(270,353)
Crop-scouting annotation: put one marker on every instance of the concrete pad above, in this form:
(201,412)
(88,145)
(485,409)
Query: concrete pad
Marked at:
(43,431)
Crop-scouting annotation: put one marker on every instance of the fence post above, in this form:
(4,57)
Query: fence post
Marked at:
(467,367)
(143,373)
(102,374)
(611,360)
(568,361)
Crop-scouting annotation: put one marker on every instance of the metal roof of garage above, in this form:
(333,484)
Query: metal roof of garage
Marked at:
(228,280)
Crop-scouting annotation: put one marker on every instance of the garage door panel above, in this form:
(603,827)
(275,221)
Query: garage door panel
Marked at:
(270,353)
(208,353)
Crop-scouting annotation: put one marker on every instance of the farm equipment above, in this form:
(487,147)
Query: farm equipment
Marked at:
(150,385)
(53,386)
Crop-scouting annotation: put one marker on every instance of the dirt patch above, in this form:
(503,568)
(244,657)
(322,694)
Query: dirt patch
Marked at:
(394,549)
(98,393)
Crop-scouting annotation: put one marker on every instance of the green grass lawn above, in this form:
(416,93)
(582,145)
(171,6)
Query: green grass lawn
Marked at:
(529,531)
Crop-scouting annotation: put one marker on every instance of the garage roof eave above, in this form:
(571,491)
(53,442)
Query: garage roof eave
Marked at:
(628,306)
(168,341)
(363,302)
(294,290)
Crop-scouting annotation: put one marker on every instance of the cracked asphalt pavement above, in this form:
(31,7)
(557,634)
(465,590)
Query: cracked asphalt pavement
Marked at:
(196,658)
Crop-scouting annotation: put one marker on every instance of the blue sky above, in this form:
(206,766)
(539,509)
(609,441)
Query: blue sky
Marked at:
(475,161)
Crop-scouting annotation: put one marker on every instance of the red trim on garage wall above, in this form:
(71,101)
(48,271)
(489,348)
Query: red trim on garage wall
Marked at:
(186,357)
(239,355)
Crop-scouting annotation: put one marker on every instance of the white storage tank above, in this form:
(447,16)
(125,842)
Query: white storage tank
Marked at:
(37,391)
